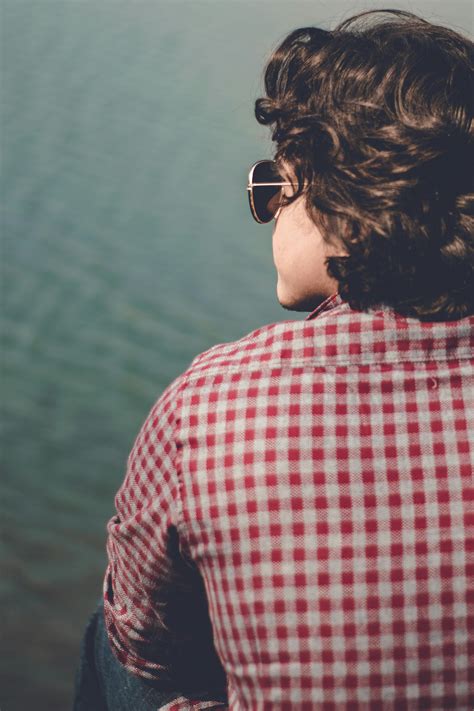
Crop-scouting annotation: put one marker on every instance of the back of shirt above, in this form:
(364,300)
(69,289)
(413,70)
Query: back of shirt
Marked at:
(324,486)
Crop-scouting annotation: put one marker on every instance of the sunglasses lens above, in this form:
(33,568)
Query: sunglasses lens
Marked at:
(265,199)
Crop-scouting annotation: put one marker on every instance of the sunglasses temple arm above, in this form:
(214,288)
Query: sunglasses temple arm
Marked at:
(264,185)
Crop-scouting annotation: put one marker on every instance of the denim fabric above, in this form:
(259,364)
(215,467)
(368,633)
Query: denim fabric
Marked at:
(102,683)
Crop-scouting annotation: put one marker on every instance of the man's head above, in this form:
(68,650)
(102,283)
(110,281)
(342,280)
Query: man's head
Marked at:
(374,126)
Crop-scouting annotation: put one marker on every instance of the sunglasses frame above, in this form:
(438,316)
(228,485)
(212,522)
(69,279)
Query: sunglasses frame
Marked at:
(251,185)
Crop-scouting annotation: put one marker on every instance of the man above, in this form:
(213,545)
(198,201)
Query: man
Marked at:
(295,528)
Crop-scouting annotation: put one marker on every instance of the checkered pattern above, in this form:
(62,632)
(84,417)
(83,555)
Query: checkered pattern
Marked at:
(317,477)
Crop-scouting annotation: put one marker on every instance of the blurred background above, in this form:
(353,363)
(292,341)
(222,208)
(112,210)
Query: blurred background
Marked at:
(127,248)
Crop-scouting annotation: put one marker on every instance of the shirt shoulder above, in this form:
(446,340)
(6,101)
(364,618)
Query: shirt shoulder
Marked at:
(268,346)
(339,336)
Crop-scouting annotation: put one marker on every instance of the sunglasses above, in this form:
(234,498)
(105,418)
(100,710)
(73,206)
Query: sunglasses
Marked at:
(264,190)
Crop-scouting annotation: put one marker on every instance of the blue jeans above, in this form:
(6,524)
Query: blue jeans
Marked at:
(102,683)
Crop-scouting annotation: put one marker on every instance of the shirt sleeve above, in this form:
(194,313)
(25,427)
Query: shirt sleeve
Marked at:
(140,564)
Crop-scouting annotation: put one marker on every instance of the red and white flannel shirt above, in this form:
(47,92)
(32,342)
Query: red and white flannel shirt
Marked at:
(309,487)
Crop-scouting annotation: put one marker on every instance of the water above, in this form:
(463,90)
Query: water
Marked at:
(127,249)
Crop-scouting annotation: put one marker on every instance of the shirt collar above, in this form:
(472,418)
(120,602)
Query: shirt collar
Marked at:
(330,303)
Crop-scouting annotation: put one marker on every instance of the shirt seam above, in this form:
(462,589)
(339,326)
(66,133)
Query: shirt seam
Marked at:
(325,364)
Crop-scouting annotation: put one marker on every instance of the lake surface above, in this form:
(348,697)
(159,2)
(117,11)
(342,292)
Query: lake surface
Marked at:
(127,249)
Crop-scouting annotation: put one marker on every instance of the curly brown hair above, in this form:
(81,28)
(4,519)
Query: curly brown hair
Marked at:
(376,122)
